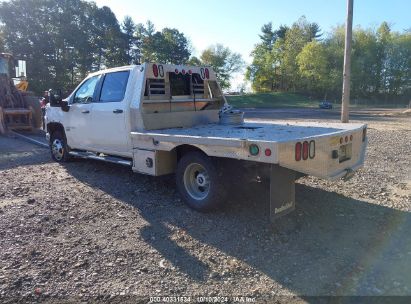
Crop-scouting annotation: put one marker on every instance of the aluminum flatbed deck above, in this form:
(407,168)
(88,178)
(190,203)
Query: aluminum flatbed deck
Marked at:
(275,131)
(252,130)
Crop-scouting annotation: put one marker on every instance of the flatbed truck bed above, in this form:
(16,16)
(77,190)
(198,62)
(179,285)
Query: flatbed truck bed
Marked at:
(279,137)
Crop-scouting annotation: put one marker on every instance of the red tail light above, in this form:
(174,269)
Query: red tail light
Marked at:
(267,152)
(176,71)
(298,148)
(155,70)
(207,73)
(305,150)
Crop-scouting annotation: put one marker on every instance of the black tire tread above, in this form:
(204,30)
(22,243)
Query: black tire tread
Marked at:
(217,194)
(34,102)
(60,134)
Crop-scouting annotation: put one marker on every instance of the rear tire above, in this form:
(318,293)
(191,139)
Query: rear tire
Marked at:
(36,115)
(200,182)
(58,147)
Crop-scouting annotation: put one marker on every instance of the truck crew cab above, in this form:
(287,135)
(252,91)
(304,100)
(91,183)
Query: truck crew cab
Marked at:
(161,119)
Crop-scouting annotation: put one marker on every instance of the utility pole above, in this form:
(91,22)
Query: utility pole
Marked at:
(347,64)
(71,51)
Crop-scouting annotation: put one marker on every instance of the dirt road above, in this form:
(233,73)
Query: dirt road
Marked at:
(90,230)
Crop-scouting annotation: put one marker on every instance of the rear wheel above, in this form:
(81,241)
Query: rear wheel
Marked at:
(200,182)
(58,147)
(36,114)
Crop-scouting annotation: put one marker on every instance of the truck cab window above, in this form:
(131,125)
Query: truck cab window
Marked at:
(114,87)
(179,84)
(198,85)
(86,91)
(155,87)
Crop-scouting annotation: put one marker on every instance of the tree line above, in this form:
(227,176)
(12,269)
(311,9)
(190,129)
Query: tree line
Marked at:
(299,58)
(64,40)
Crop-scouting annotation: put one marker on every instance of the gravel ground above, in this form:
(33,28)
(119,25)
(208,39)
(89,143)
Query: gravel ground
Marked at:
(90,230)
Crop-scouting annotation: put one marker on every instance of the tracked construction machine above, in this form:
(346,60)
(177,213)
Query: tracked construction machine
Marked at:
(19,109)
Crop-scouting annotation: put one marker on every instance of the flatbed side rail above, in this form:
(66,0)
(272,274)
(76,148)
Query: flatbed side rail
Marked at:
(155,139)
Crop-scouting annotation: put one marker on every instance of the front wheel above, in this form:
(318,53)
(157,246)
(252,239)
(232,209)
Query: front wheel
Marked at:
(58,147)
(200,182)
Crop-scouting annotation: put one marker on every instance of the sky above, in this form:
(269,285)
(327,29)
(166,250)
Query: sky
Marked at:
(237,24)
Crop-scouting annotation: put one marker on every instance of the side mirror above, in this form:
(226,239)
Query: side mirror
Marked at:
(64,106)
(55,98)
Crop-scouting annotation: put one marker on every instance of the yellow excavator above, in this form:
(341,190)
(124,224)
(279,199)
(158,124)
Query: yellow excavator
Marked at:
(19,109)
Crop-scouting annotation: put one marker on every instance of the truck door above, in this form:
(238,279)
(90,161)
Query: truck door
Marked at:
(77,119)
(109,116)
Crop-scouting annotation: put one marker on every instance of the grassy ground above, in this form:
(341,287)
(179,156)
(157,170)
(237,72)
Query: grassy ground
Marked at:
(272,100)
(292,100)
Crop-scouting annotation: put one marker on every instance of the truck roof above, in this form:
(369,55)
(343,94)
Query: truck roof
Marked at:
(116,69)
(166,67)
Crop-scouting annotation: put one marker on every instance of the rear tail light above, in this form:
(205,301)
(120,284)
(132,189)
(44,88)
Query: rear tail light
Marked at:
(161,70)
(176,71)
(312,149)
(305,150)
(207,73)
(267,152)
(364,134)
(155,70)
(298,148)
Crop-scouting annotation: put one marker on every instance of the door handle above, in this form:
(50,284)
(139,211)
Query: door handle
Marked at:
(117,111)
(85,111)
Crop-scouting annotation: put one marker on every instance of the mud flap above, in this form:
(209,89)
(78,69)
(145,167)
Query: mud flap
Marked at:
(282,191)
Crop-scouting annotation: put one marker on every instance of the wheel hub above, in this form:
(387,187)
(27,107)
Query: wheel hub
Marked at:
(197,181)
(201,179)
(57,149)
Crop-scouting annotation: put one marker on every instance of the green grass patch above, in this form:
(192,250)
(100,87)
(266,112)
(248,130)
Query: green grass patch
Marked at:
(377,104)
(272,100)
(294,100)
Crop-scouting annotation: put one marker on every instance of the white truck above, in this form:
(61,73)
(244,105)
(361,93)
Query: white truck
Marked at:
(162,119)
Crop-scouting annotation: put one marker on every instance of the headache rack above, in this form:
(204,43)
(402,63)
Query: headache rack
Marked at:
(188,93)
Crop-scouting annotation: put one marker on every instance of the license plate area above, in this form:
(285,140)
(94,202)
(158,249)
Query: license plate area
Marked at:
(345,153)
